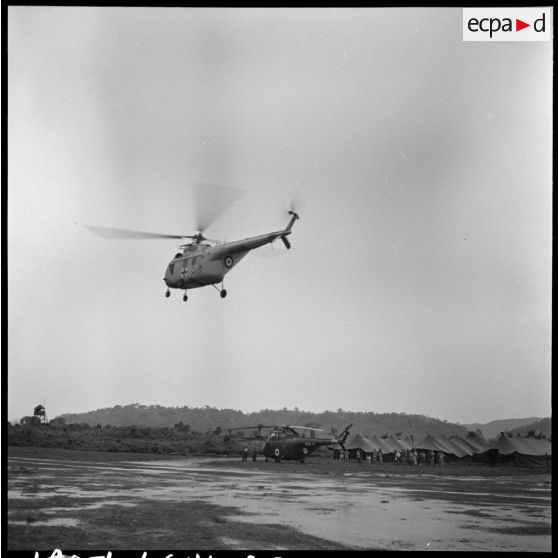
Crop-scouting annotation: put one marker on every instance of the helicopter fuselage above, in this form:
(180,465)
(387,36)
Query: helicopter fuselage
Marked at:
(294,449)
(287,444)
(201,264)
(198,266)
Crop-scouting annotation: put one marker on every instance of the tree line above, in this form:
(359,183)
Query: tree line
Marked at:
(207,419)
(180,438)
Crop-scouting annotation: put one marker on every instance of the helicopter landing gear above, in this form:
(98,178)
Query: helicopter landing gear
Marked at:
(185,297)
(167,294)
(222,291)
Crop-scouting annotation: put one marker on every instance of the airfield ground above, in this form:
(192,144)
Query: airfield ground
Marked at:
(74,500)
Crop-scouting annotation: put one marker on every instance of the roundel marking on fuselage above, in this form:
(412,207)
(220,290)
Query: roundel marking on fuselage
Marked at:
(229,261)
(304,451)
(277,452)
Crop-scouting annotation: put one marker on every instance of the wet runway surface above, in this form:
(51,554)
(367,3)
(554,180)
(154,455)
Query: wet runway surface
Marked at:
(350,503)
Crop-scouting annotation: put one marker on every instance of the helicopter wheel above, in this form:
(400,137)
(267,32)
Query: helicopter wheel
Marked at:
(185,297)
(167,294)
(223,293)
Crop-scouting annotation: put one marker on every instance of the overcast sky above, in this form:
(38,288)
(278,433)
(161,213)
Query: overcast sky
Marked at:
(420,275)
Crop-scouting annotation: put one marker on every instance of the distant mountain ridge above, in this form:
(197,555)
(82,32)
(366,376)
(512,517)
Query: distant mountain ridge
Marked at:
(493,428)
(206,419)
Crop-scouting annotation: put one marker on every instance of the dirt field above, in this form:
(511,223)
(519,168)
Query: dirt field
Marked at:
(85,500)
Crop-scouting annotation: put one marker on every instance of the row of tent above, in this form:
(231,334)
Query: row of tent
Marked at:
(525,452)
(456,445)
(522,450)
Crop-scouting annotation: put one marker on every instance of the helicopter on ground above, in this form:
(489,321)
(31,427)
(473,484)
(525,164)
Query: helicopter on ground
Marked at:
(286,443)
(200,264)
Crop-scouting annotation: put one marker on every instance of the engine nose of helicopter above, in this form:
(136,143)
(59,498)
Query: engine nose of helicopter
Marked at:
(168,277)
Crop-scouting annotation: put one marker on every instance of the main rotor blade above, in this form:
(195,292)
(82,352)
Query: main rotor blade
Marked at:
(212,201)
(112,233)
(258,427)
(307,428)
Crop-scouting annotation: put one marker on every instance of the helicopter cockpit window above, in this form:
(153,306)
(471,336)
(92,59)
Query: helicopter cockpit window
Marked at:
(273,436)
(171,268)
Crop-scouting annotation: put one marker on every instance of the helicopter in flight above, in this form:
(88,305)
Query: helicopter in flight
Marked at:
(286,443)
(202,262)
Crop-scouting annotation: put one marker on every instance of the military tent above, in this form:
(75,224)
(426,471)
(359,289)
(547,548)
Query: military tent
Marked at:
(473,453)
(439,443)
(444,445)
(478,441)
(384,444)
(460,443)
(474,446)
(401,443)
(381,443)
(523,452)
(462,450)
(391,444)
(538,445)
(433,443)
(358,442)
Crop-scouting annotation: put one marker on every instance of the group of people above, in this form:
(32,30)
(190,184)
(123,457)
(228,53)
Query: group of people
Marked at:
(376,456)
(402,457)
(414,457)
(245,454)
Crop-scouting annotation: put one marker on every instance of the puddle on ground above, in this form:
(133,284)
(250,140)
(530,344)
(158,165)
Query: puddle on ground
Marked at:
(55,522)
(94,506)
(355,509)
(154,467)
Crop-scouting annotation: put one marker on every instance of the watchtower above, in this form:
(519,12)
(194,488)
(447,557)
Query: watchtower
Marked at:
(39,414)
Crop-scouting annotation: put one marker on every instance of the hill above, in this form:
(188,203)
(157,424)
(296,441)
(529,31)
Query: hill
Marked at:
(493,428)
(207,419)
